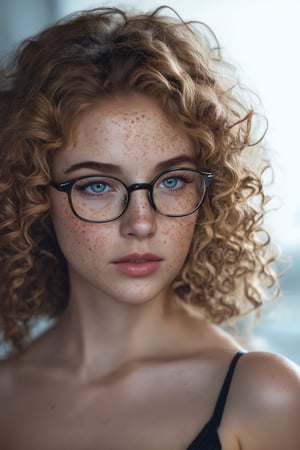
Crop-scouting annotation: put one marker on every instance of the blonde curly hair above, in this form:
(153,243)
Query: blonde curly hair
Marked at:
(58,74)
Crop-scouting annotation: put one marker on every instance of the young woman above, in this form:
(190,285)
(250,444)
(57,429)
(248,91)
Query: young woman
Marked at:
(132,214)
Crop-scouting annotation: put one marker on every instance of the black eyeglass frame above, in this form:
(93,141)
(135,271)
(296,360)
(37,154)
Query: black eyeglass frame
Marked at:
(68,185)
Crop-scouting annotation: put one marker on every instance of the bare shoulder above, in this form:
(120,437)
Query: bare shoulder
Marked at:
(267,390)
(266,372)
(271,365)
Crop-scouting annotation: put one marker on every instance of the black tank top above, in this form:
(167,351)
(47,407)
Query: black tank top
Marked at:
(208,438)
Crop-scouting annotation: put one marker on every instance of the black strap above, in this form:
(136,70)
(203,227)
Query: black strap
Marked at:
(219,408)
(208,437)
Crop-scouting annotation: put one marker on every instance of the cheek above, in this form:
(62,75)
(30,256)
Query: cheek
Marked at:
(180,231)
(83,237)
(176,239)
(76,237)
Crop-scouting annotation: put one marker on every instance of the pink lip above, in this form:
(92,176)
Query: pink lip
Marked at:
(138,264)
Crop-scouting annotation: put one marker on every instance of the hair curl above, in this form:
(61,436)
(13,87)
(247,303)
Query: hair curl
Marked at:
(57,75)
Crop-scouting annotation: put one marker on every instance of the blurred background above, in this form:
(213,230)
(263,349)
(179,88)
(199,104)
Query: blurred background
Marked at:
(262,38)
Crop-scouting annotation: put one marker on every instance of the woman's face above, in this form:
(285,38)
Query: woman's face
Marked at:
(134,258)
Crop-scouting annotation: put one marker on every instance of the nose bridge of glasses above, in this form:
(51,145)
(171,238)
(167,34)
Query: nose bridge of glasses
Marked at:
(139,186)
(142,186)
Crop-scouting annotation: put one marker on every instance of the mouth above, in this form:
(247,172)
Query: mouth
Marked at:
(138,258)
(138,264)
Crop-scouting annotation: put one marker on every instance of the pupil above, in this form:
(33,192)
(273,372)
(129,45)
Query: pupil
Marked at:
(170,182)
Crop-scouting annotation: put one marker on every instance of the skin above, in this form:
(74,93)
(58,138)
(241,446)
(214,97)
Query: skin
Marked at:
(124,368)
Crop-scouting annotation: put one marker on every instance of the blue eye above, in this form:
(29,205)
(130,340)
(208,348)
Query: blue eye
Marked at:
(96,188)
(172,182)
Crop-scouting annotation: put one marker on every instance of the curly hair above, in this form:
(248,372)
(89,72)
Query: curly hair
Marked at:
(58,74)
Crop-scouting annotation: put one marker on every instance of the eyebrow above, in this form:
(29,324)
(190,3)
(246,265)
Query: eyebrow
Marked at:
(176,161)
(108,167)
(94,165)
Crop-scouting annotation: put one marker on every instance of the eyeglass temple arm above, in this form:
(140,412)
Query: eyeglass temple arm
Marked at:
(62,187)
(208,177)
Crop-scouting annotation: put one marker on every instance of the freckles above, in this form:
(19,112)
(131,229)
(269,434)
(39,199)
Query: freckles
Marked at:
(84,246)
(133,132)
(180,231)
(79,237)
(91,238)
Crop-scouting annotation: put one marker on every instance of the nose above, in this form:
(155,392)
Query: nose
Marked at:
(139,219)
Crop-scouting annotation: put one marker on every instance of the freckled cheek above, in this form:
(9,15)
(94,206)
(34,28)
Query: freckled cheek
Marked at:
(176,240)
(180,232)
(78,237)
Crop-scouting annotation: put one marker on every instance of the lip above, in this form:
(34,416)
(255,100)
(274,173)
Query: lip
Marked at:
(137,257)
(138,264)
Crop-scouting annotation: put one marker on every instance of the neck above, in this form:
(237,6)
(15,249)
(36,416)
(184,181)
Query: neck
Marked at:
(103,334)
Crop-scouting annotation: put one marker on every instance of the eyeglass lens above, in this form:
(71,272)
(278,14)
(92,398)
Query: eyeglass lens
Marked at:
(103,198)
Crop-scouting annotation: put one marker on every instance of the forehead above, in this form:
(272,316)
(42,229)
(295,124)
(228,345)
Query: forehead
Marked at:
(130,130)
(126,116)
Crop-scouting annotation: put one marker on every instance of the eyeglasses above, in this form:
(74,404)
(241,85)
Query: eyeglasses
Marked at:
(176,192)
